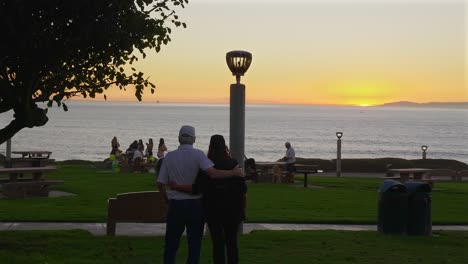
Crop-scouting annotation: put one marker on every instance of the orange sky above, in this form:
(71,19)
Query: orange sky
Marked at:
(314,52)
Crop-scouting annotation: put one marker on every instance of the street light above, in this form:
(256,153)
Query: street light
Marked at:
(339,134)
(238,62)
(338,154)
(424,148)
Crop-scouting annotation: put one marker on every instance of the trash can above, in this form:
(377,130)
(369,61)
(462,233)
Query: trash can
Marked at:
(419,209)
(393,207)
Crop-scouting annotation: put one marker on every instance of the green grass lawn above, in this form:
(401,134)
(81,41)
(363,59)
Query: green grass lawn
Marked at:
(341,200)
(337,247)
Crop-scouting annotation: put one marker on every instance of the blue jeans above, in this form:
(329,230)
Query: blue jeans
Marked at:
(184,214)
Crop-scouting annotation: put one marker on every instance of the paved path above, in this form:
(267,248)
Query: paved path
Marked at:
(140,229)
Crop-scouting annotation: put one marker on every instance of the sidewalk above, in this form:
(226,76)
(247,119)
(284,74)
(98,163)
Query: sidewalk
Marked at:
(140,229)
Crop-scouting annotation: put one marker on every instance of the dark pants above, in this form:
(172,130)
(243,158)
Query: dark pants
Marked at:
(224,235)
(291,167)
(184,214)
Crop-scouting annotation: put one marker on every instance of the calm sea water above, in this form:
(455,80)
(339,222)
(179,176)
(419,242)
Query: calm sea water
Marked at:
(86,130)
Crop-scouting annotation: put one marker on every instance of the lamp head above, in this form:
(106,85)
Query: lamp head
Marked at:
(339,134)
(238,62)
(424,148)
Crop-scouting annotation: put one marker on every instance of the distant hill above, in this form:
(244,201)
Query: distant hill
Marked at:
(460,105)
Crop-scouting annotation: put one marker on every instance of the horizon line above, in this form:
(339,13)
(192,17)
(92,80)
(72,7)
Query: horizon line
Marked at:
(261,103)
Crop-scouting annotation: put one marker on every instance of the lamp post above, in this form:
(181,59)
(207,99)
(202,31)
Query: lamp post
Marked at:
(338,154)
(238,62)
(424,148)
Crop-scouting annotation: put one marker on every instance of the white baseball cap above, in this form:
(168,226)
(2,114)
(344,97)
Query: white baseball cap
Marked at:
(187,131)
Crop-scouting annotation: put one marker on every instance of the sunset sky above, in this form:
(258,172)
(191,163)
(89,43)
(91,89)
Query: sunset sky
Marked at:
(358,52)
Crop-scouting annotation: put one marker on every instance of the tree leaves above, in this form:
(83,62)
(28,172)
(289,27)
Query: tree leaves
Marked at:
(52,50)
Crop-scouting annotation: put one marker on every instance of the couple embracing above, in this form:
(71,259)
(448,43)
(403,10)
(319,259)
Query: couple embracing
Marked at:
(202,188)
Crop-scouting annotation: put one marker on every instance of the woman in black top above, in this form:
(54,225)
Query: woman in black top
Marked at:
(223,200)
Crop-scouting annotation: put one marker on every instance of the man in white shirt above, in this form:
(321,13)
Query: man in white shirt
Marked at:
(185,210)
(290,159)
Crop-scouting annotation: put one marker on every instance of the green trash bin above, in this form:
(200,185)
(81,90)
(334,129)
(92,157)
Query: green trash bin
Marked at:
(419,209)
(393,207)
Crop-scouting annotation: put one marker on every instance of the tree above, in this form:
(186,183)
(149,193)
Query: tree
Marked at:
(52,50)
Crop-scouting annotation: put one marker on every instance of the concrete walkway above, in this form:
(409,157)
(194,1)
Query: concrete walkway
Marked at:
(140,229)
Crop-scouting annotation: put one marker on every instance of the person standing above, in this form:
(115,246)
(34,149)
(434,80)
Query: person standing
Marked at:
(149,148)
(115,147)
(224,203)
(141,146)
(161,149)
(290,158)
(160,154)
(185,210)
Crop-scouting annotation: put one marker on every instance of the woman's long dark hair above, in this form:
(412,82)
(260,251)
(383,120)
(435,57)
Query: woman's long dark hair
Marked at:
(218,153)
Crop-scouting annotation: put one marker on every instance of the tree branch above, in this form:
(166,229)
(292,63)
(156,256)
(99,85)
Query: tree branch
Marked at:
(9,131)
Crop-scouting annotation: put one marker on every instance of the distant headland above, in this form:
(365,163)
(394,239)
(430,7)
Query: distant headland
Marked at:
(459,105)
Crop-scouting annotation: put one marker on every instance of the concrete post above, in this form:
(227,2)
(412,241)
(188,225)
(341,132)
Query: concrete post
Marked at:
(338,157)
(237,123)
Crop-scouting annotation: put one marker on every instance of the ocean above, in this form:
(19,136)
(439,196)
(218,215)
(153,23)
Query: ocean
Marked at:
(86,130)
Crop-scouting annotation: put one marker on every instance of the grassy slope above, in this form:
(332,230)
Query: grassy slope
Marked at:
(342,200)
(257,248)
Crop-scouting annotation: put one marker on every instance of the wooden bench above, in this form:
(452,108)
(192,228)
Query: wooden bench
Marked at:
(30,162)
(149,207)
(36,171)
(23,189)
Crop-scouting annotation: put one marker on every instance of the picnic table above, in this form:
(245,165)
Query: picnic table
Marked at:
(18,186)
(306,169)
(30,159)
(410,174)
(34,154)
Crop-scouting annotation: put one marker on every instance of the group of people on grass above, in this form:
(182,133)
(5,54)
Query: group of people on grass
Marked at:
(137,151)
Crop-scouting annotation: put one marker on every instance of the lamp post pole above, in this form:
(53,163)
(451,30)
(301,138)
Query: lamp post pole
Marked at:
(238,62)
(237,122)
(338,154)
(423,148)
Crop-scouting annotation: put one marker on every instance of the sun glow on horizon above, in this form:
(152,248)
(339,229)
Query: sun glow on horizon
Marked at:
(394,52)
